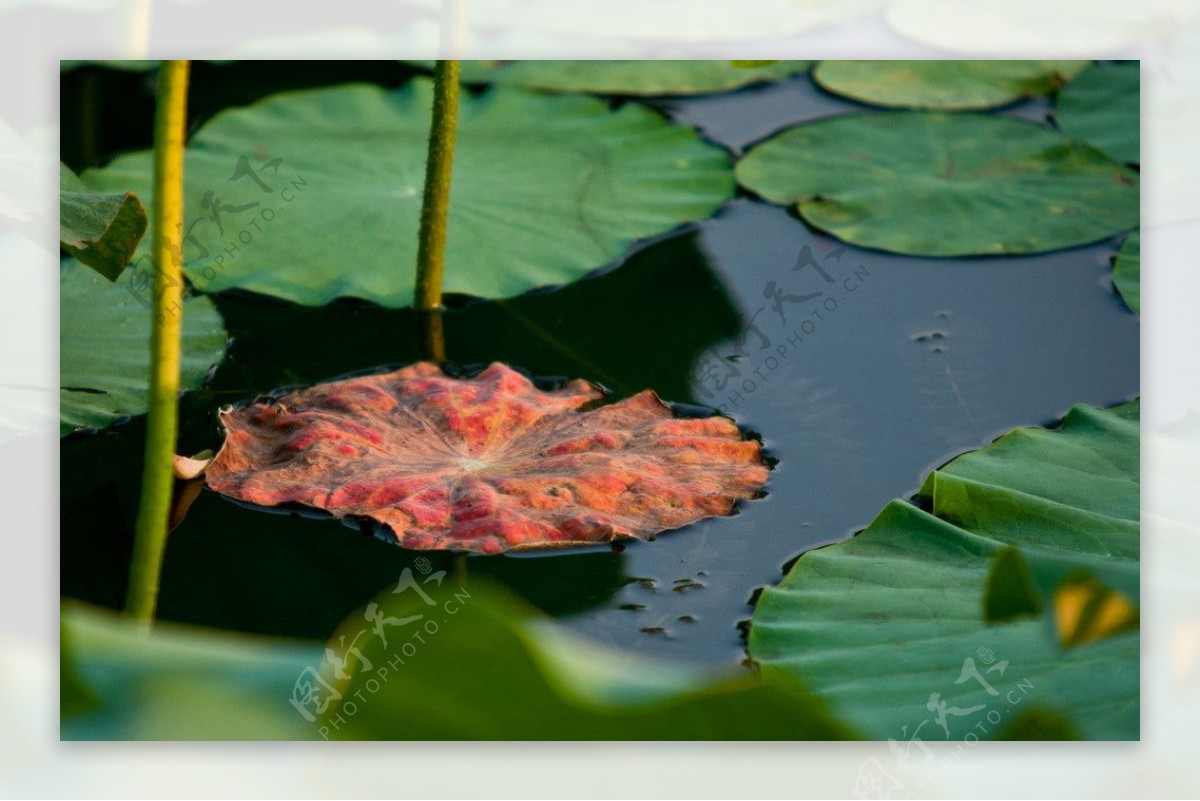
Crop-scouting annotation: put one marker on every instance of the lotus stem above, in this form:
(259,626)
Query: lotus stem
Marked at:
(439,164)
(170,128)
(432,334)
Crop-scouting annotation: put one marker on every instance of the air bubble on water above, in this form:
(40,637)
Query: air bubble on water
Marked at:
(644,583)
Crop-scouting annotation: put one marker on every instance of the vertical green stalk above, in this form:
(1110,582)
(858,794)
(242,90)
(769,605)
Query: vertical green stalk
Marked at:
(170,119)
(432,337)
(439,164)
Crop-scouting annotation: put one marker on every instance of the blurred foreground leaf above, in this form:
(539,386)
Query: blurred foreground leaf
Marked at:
(492,671)
(1086,611)
(1009,592)
(490,668)
(176,682)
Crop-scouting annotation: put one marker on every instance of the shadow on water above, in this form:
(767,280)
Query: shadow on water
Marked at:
(641,325)
(861,370)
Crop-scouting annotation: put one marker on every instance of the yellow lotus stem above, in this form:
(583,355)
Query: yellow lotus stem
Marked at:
(439,164)
(170,128)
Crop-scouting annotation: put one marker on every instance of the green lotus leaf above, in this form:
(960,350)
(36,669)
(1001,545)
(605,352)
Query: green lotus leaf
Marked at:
(105,345)
(314,195)
(175,682)
(544,682)
(1103,108)
(944,184)
(101,230)
(656,77)
(889,626)
(539,681)
(1127,271)
(943,84)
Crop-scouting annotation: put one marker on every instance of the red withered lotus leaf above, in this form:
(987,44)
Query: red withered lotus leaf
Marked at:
(486,464)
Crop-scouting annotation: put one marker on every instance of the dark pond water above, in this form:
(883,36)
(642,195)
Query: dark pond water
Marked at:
(896,366)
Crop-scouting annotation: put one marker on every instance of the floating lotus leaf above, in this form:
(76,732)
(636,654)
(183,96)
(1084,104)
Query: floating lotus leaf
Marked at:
(1127,271)
(1103,107)
(928,183)
(887,626)
(104,362)
(546,189)
(486,464)
(943,84)
(654,77)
